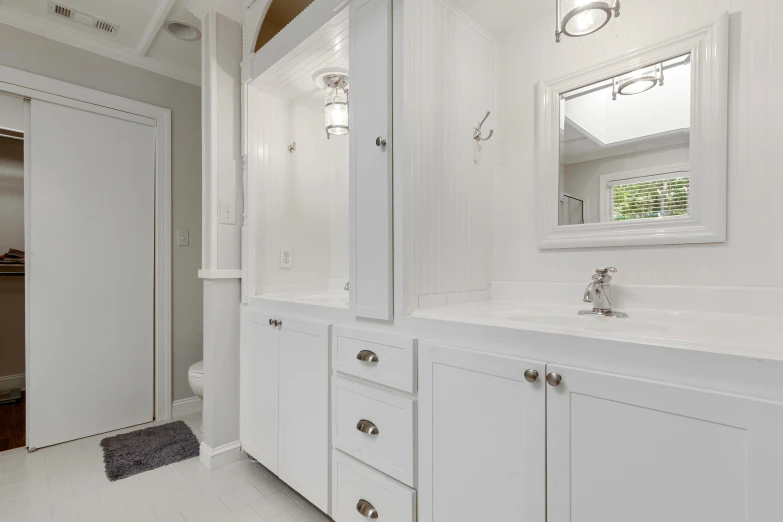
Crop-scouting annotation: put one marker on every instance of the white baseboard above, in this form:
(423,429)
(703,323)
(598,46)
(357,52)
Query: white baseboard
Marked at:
(12,382)
(220,456)
(186,406)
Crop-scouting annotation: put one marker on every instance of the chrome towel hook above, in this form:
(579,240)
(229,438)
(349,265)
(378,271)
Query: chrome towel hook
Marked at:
(477,130)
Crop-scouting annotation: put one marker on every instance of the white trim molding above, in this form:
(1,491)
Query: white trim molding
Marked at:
(33,86)
(94,44)
(706,220)
(220,274)
(186,406)
(214,458)
(12,382)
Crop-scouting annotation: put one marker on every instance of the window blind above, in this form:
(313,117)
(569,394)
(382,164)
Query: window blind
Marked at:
(650,199)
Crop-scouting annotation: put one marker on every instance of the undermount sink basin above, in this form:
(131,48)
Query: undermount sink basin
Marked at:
(568,319)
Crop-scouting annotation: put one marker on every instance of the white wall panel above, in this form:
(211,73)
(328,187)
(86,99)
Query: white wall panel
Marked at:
(449,84)
(300,199)
(754,250)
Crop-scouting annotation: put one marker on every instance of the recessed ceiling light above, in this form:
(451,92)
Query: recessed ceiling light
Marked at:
(183,31)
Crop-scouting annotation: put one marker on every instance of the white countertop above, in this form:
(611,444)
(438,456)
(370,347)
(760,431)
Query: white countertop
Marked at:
(747,336)
(330,299)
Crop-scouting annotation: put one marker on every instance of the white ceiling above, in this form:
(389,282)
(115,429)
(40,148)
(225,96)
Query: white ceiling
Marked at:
(291,79)
(502,17)
(141,39)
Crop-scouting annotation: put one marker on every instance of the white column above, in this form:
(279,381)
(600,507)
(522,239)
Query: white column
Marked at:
(222,217)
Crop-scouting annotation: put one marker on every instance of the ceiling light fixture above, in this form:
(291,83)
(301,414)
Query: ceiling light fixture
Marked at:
(336,104)
(582,17)
(183,31)
(638,81)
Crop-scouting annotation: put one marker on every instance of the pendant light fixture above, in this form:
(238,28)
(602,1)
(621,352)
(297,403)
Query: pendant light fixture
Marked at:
(336,104)
(582,17)
(638,81)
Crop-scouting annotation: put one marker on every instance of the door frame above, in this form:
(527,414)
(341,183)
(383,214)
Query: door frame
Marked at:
(33,86)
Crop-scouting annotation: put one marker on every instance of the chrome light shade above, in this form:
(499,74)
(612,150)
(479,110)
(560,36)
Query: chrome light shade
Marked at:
(638,81)
(336,106)
(582,17)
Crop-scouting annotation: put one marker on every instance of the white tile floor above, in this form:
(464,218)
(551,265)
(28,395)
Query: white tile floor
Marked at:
(67,483)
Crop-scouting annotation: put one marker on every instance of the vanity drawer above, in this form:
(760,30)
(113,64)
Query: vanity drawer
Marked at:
(359,487)
(376,356)
(376,427)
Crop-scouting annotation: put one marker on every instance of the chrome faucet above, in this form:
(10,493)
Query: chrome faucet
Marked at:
(599,292)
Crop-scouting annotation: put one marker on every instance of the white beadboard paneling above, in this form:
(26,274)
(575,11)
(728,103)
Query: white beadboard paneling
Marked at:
(753,254)
(449,84)
(295,197)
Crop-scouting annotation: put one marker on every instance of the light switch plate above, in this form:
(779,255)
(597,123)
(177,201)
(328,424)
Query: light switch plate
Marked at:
(183,237)
(227,213)
(286,258)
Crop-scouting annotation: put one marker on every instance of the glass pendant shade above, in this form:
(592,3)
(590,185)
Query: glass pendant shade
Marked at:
(638,81)
(337,113)
(582,17)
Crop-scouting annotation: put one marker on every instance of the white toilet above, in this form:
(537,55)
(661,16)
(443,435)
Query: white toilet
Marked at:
(196,380)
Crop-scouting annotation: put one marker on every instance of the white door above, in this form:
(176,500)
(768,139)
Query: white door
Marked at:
(371,157)
(621,449)
(258,396)
(304,369)
(91,269)
(481,437)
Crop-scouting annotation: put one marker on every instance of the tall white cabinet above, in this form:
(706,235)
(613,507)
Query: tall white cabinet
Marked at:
(284,400)
(371,158)
(481,437)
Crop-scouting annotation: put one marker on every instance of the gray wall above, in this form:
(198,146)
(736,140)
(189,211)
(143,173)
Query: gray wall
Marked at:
(28,52)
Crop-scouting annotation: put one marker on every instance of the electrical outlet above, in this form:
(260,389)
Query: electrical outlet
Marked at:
(286,258)
(227,213)
(183,237)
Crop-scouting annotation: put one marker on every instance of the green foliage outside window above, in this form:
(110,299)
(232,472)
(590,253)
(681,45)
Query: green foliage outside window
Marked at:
(650,199)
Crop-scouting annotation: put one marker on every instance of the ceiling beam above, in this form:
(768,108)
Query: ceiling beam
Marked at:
(233,9)
(154,26)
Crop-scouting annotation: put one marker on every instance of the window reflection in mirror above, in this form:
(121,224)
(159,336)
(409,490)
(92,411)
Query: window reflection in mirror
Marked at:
(625,146)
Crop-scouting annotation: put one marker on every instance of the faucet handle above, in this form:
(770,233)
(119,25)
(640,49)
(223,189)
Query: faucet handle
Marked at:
(605,271)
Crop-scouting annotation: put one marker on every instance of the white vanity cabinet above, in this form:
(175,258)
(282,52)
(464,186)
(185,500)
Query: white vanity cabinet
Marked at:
(621,448)
(481,437)
(284,400)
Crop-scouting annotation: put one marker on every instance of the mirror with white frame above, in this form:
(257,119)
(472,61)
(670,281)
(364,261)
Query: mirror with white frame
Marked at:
(634,152)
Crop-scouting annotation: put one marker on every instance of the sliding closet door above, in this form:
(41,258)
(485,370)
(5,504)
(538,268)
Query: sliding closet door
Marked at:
(91,270)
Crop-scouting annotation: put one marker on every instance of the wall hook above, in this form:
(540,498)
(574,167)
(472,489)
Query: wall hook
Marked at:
(477,130)
(292,147)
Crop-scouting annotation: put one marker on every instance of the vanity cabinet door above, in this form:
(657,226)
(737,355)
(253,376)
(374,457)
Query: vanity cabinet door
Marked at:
(304,367)
(481,437)
(258,388)
(371,158)
(621,449)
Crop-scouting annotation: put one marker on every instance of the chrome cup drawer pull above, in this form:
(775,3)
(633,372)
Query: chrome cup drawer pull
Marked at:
(367,356)
(367,427)
(366,509)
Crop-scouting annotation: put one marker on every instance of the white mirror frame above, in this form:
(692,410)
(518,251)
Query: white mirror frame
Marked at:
(706,220)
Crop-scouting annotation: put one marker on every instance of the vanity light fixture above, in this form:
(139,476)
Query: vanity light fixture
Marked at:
(638,81)
(582,17)
(336,104)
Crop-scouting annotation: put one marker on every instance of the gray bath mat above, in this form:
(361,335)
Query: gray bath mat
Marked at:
(138,451)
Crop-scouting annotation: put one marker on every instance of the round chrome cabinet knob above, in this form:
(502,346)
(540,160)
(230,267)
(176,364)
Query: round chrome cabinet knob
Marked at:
(380,141)
(553,379)
(531,375)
